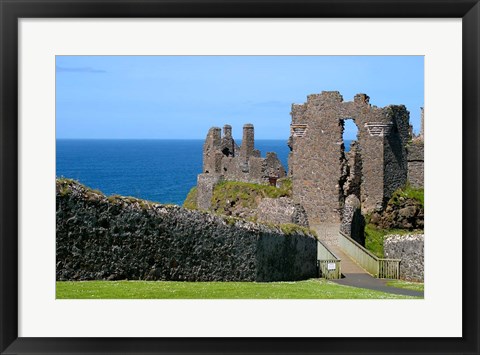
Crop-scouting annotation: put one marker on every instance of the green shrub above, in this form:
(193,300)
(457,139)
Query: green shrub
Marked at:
(407,192)
(191,200)
(374,237)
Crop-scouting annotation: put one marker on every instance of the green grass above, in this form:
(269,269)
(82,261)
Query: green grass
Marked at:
(407,192)
(245,194)
(415,286)
(66,186)
(288,228)
(374,237)
(309,289)
(191,200)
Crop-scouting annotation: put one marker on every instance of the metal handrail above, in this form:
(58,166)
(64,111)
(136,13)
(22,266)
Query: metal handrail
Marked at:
(325,264)
(378,267)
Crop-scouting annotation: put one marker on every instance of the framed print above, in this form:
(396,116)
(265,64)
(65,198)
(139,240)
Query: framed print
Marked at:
(108,106)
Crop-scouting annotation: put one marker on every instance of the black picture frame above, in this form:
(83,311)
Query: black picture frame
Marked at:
(11,11)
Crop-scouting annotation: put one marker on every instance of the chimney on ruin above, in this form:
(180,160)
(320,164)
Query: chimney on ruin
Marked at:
(227,130)
(248,140)
(212,143)
(228,144)
(214,137)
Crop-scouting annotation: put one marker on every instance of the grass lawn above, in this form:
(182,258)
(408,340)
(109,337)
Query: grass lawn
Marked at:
(309,289)
(415,286)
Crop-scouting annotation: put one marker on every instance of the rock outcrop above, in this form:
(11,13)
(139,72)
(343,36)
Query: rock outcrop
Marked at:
(405,213)
(111,238)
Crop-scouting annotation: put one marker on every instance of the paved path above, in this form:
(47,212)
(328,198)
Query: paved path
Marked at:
(357,277)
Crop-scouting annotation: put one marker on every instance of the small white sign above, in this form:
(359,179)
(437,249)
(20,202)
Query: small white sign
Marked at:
(331,266)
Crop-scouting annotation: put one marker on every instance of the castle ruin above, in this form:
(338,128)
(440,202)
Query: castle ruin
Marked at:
(223,160)
(385,156)
(416,158)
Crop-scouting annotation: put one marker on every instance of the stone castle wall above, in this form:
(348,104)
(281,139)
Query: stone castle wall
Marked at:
(416,163)
(100,238)
(280,211)
(323,175)
(408,248)
(415,149)
(353,222)
(353,166)
(395,152)
(205,185)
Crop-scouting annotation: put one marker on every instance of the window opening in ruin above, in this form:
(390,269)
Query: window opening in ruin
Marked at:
(350,178)
(350,133)
(272,181)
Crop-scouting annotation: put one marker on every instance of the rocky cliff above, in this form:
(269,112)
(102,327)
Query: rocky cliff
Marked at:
(110,238)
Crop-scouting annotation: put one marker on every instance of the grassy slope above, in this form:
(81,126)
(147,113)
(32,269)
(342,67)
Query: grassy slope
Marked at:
(247,194)
(310,289)
(191,200)
(374,236)
(244,194)
(407,192)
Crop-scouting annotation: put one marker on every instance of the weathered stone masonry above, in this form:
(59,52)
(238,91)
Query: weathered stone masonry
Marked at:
(408,248)
(318,160)
(416,163)
(100,238)
(383,158)
(223,159)
(323,175)
(416,158)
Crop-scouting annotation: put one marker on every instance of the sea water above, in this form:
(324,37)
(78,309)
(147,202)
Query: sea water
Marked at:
(163,171)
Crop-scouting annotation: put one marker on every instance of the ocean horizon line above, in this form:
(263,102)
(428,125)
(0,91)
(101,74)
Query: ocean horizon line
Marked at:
(167,139)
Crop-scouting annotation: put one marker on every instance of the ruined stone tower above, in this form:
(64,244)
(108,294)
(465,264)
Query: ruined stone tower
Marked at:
(416,157)
(323,175)
(224,160)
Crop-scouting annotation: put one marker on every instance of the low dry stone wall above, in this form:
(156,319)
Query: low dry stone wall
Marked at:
(409,248)
(281,210)
(111,238)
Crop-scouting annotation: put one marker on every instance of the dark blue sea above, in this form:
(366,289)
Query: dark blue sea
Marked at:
(157,170)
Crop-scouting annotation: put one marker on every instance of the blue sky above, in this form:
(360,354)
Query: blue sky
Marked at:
(181,97)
